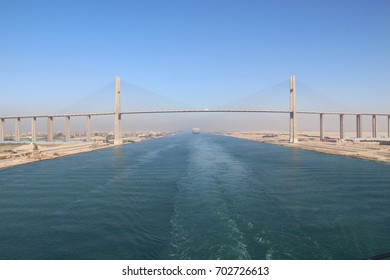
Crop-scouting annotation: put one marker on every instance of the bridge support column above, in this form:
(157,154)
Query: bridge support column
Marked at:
(49,128)
(322,127)
(34,129)
(17,129)
(359,126)
(341,126)
(67,128)
(293,112)
(88,128)
(388,126)
(374,129)
(1,129)
(118,130)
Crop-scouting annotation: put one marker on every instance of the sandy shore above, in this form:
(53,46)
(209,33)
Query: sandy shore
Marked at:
(14,154)
(369,149)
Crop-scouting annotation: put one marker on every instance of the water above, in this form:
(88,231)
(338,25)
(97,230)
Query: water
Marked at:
(195,197)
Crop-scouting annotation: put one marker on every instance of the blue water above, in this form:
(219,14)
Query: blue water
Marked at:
(195,197)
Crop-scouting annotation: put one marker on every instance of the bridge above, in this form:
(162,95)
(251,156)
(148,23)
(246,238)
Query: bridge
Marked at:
(292,112)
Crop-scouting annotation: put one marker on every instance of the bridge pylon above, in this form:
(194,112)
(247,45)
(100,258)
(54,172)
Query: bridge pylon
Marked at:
(118,116)
(293,112)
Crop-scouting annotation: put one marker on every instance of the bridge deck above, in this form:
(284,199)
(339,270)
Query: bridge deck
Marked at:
(193,111)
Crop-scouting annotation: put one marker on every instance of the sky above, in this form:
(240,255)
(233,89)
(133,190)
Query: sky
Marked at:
(200,52)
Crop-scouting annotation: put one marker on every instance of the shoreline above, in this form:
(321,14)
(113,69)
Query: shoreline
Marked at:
(377,150)
(24,161)
(366,149)
(25,154)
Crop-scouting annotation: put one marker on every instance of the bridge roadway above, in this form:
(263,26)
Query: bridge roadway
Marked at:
(194,111)
(118,116)
(359,130)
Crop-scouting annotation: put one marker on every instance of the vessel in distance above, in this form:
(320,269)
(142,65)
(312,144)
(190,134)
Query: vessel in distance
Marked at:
(196,130)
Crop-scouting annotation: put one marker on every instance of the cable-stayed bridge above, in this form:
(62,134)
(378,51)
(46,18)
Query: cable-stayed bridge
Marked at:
(162,106)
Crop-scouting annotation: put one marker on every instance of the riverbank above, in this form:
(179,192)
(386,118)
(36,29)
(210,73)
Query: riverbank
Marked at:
(14,154)
(377,149)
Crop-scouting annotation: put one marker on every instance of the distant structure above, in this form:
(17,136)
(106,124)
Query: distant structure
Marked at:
(196,130)
(118,113)
(293,112)
(118,117)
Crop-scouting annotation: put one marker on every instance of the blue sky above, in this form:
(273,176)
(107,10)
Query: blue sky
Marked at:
(199,52)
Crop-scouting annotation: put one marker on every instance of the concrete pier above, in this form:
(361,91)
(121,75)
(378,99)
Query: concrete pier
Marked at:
(17,129)
(358,126)
(1,129)
(374,127)
(88,128)
(118,115)
(67,128)
(34,129)
(322,135)
(341,126)
(49,128)
(293,112)
(388,126)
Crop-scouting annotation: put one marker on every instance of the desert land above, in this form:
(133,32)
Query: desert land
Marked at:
(376,149)
(19,153)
